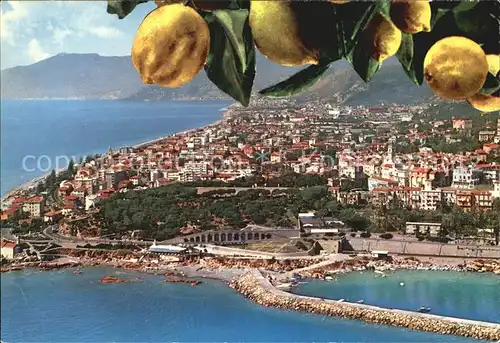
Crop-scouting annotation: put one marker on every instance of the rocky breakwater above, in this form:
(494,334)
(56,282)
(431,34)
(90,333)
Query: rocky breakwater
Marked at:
(185,281)
(258,289)
(267,264)
(482,266)
(112,279)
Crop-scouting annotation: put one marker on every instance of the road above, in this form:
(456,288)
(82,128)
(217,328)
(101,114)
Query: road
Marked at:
(66,241)
(227,251)
(331,260)
(7,235)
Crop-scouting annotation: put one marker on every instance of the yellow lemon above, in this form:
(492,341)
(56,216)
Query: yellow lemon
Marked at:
(411,16)
(383,38)
(276,33)
(493,63)
(171,46)
(485,103)
(455,68)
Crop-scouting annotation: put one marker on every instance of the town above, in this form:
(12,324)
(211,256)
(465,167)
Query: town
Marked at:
(377,169)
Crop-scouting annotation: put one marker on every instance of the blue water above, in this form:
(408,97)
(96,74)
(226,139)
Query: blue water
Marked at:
(59,306)
(79,128)
(466,295)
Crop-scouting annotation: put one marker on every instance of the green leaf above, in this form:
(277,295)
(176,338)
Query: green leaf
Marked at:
(405,52)
(464,6)
(298,82)
(480,25)
(354,17)
(231,61)
(491,85)
(405,56)
(362,62)
(122,8)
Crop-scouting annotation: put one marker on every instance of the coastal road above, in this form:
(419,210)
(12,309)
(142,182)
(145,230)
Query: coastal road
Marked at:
(66,241)
(331,259)
(7,235)
(227,251)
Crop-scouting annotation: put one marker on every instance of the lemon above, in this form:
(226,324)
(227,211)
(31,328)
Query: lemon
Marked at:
(276,33)
(485,103)
(493,63)
(383,38)
(411,16)
(455,68)
(171,46)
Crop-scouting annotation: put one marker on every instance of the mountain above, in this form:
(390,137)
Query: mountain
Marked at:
(201,87)
(82,76)
(91,76)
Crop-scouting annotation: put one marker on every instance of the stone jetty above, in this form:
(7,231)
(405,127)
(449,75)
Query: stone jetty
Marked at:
(112,279)
(257,288)
(186,281)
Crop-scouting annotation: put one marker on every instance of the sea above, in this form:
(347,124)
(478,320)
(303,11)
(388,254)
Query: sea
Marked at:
(454,294)
(59,306)
(40,135)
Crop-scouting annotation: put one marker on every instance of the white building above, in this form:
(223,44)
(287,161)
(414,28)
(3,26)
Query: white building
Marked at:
(496,189)
(91,201)
(430,199)
(465,177)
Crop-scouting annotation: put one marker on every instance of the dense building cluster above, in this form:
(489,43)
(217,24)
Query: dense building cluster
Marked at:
(369,155)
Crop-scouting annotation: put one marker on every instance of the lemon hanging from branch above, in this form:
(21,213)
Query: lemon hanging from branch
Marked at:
(486,102)
(455,68)
(276,33)
(171,46)
(382,37)
(411,16)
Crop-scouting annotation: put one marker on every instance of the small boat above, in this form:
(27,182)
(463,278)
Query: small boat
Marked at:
(423,309)
(329,278)
(77,272)
(285,286)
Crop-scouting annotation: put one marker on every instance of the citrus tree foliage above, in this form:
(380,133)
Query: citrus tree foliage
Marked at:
(231,61)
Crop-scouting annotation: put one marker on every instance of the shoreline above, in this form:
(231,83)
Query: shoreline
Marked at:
(4,199)
(258,281)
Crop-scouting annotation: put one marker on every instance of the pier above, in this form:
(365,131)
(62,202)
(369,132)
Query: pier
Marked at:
(257,288)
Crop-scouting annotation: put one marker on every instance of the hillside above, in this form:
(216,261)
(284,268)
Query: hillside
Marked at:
(82,76)
(91,76)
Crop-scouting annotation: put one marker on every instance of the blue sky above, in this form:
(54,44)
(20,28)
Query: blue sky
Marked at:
(34,30)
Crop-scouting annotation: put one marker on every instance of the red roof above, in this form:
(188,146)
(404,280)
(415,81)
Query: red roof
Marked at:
(35,199)
(71,197)
(6,244)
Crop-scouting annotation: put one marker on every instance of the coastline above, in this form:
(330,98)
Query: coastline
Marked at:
(258,279)
(260,290)
(26,186)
